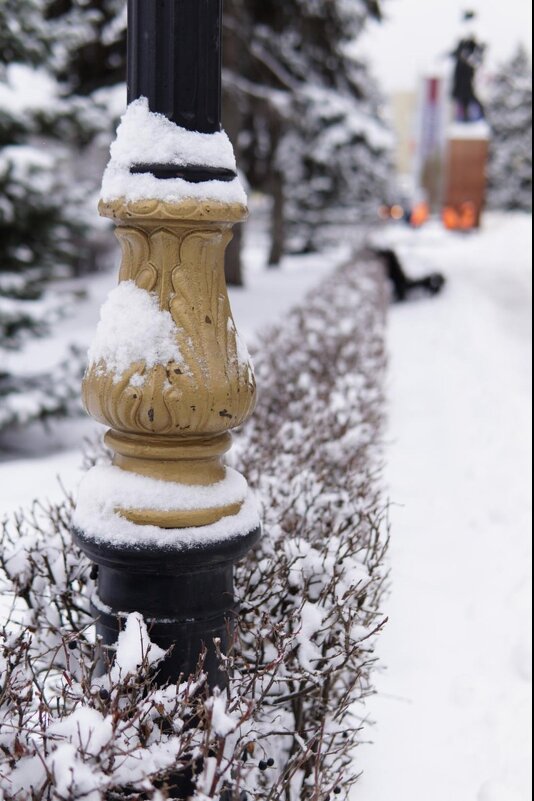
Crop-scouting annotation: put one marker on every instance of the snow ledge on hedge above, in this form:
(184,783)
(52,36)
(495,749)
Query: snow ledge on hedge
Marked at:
(134,648)
(106,488)
(144,137)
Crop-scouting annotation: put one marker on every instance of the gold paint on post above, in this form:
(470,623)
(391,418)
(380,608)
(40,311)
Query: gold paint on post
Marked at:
(172,422)
(189,518)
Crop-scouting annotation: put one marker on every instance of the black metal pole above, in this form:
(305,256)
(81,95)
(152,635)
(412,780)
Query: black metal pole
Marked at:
(174,60)
(185,596)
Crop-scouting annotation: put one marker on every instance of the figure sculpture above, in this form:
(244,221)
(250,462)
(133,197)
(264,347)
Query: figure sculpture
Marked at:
(469,55)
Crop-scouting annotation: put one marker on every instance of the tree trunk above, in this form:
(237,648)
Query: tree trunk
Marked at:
(277,220)
(233,266)
(233,122)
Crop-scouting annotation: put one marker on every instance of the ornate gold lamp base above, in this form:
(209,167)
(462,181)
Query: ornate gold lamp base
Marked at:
(167,521)
(171,420)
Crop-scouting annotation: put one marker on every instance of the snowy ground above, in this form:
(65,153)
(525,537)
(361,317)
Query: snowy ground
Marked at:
(453,709)
(33,461)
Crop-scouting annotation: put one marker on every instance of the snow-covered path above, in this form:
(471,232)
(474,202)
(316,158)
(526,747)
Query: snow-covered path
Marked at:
(453,709)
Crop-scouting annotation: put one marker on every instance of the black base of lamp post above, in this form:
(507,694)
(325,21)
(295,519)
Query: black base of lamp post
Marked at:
(186,598)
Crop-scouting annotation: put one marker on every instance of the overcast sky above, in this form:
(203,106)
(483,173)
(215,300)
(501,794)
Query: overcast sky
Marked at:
(414,32)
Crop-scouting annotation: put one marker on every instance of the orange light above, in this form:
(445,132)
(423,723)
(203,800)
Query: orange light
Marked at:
(464,219)
(420,215)
(397,212)
(468,216)
(451,220)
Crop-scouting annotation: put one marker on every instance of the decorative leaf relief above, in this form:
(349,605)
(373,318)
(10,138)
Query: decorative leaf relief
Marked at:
(136,265)
(210,392)
(191,306)
(153,414)
(177,405)
(165,252)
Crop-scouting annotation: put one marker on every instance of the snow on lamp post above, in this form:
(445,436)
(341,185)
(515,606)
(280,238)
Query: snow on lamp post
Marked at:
(166,522)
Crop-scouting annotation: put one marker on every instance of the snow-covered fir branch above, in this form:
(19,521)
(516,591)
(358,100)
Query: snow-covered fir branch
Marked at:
(44,219)
(510,117)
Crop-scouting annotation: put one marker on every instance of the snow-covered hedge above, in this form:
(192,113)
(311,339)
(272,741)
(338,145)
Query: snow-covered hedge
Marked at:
(287,724)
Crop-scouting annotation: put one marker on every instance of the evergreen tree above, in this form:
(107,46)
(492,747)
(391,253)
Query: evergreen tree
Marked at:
(21,32)
(90,42)
(336,161)
(311,135)
(40,212)
(510,117)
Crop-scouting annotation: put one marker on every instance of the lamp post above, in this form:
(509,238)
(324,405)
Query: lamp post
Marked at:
(170,419)
(174,60)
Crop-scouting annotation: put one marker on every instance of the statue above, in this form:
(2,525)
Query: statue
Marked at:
(469,55)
